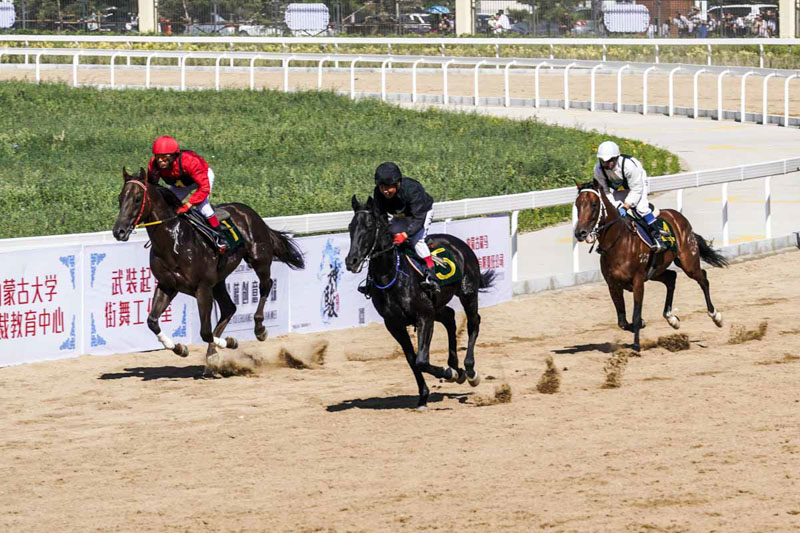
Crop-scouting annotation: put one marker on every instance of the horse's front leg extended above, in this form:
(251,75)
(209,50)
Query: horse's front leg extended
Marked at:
(400,334)
(205,301)
(615,290)
(424,336)
(161,300)
(638,298)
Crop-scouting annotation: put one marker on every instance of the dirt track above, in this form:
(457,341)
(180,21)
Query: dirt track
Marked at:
(701,440)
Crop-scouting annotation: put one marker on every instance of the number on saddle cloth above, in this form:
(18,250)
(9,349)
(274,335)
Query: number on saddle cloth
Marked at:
(667,234)
(447,269)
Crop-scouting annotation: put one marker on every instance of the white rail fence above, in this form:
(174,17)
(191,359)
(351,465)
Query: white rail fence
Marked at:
(511,203)
(390,63)
(442,43)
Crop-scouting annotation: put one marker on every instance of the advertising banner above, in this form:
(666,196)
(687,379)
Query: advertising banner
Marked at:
(324,295)
(244,288)
(118,298)
(40,304)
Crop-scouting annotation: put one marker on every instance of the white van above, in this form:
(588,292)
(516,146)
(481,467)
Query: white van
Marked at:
(746,11)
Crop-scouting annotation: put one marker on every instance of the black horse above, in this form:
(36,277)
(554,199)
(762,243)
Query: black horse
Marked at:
(184,261)
(398,297)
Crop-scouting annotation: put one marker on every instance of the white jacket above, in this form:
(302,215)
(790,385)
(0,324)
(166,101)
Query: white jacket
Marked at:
(633,180)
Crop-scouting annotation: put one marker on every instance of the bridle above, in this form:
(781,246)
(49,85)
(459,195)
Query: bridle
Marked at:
(372,253)
(597,228)
(145,202)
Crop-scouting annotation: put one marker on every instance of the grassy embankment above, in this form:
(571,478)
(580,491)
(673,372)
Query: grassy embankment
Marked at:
(62,151)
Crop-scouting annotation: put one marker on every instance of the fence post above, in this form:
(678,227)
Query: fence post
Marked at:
(75,61)
(383,78)
(536,83)
(353,77)
(253,72)
(514,246)
(760,56)
(619,87)
(414,80)
(38,67)
(506,86)
(694,91)
(129,57)
(216,71)
(725,232)
(743,110)
(591,85)
(445,96)
(183,71)
(477,66)
(644,89)
(566,84)
(764,115)
(147,70)
(709,54)
(657,60)
(786,100)
(605,49)
(767,208)
(336,51)
(671,90)
(319,71)
(113,58)
(719,93)
(575,255)
(286,73)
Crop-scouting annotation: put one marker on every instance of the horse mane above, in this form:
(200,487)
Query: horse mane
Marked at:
(168,196)
(588,185)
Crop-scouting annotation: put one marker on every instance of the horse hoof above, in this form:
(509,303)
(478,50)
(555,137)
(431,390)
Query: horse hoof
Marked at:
(475,380)
(422,408)
(642,325)
(452,375)
(262,335)
(674,321)
(209,371)
(181,350)
(636,348)
(716,316)
(462,377)
(213,360)
(231,343)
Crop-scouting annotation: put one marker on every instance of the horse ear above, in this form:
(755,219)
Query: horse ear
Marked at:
(354,203)
(370,205)
(125,174)
(142,173)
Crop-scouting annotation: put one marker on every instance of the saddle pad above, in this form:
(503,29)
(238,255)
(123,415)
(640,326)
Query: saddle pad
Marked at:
(445,265)
(669,240)
(232,234)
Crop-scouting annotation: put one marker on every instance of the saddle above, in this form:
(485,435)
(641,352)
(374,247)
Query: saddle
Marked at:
(667,234)
(227,228)
(445,266)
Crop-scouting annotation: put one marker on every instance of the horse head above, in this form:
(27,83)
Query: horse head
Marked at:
(134,204)
(590,209)
(364,229)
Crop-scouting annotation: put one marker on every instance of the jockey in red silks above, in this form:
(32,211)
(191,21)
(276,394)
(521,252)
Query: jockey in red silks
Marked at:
(189,177)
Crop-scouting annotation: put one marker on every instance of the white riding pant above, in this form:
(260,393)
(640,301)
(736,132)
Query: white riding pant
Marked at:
(419,246)
(205,206)
(642,207)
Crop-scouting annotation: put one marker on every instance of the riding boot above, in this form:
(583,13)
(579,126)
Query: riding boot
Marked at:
(430,282)
(366,287)
(655,235)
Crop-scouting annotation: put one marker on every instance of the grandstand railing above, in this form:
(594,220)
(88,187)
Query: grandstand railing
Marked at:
(510,203)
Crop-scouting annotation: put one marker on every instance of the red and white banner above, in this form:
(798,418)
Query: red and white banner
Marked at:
(118,298)
(40,305)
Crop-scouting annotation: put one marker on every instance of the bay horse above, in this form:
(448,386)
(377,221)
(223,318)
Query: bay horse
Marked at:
(625,259)
(398,297)
(184,261)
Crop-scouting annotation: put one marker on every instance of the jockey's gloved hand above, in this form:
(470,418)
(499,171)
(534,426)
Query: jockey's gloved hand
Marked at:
(400,238)
(622,211)
(185,207)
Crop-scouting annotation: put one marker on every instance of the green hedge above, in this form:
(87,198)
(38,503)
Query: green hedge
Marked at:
(62,151)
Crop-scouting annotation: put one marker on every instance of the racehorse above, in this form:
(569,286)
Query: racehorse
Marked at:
(183,261)
(398,297)
(626,260)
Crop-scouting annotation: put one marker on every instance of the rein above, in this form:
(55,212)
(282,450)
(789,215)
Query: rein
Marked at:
(598,228)
(145,201)
(372,253)
(397,273)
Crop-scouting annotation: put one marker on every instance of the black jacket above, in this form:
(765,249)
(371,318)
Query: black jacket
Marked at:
(411,201)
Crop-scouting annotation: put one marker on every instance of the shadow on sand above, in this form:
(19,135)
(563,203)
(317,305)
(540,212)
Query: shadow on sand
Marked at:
(604,347)
(147,373)
(394,402)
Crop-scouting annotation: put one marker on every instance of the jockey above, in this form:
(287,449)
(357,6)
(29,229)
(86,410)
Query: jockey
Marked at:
(189,177)
(622,179)
(411,209)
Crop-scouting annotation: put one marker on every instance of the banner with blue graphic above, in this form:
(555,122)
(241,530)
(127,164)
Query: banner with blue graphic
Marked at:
(245,289)
(118,298)
(40,304)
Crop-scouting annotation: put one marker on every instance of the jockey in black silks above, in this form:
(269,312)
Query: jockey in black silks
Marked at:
(411,209)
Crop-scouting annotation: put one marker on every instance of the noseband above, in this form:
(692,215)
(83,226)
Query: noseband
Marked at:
(145,199)
(372,253)
(598,228)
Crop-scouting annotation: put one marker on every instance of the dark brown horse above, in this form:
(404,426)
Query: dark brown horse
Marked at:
(625,259)
(183,261)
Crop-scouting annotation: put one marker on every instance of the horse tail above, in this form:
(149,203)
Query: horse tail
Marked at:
(708,254)
(487,280)
(286,249)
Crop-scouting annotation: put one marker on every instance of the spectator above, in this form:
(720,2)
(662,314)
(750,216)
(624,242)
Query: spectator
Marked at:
(503,23)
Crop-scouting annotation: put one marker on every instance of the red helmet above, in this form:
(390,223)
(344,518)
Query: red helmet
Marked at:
(165,145)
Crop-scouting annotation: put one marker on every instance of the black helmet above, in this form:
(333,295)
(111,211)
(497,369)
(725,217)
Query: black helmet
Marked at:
(387,174)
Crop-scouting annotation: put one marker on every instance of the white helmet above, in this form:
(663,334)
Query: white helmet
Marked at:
(607,150)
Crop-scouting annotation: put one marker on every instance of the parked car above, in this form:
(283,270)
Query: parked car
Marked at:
(220,26)
(419,23)
(586,27)
(747,11)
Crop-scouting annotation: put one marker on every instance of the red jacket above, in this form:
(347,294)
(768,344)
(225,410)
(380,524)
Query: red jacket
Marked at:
(188,168)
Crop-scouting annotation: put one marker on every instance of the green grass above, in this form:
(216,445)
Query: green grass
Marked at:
(62,151)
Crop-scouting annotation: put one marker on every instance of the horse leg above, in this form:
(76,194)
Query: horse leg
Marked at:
(204,298)
(447,317)
(424,336)
(638,298)
(470,304)
(615,290)
(161,300)
(400,334)
(264,288)
(668,279)
(699,275)
(226,310)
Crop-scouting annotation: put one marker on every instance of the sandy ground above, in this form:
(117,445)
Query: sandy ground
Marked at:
(701,440)
(462,84)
